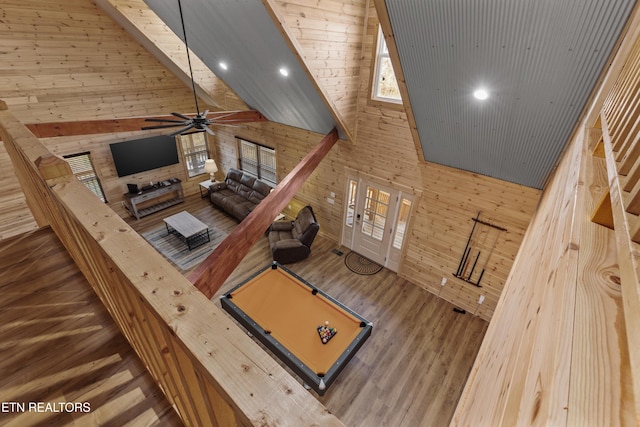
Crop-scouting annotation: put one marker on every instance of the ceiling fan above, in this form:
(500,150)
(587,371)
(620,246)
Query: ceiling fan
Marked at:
(188,125)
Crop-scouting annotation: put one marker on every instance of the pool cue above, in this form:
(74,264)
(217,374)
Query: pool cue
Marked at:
(480,244)
(495,242)
(460,266)
(463,261)
(474,266)
(480,278)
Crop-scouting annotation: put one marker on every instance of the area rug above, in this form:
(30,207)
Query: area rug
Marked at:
(361,265)
(176,250)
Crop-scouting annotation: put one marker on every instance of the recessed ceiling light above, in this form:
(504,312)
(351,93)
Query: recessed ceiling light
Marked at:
(284,72)
(481,94)
(223,65)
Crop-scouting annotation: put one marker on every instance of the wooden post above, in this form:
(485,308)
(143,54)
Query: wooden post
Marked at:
(209,276)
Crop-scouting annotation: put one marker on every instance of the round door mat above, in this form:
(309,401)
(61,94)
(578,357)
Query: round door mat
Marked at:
(361,265)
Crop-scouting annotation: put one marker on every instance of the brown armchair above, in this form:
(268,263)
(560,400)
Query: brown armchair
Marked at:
(290,241)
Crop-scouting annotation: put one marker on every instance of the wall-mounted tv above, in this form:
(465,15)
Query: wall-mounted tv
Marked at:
(139,155)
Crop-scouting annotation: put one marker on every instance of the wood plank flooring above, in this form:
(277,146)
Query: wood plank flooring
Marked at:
(412,369)
(59,344)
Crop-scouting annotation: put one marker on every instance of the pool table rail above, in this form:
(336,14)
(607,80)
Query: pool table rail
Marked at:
(318,381)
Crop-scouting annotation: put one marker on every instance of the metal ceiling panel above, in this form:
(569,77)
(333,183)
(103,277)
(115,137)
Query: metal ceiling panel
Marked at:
(241,34)
(539,60)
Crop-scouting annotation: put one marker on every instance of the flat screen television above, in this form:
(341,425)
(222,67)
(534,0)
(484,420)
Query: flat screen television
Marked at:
(139,155)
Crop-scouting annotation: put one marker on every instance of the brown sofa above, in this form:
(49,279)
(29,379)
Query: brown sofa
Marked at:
(239,194)
(290,241)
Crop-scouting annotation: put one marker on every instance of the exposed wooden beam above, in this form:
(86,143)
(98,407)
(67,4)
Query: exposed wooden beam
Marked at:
(90,127)
(287,34)
(211,274)
(135,17)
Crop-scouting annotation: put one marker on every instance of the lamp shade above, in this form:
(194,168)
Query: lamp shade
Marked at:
(210,166)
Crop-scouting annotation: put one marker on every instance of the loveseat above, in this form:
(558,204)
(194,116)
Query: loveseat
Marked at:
(239,194)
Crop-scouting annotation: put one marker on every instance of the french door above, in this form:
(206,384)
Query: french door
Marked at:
(375,221)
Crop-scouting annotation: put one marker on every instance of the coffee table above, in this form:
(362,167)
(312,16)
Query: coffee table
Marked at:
(188,228)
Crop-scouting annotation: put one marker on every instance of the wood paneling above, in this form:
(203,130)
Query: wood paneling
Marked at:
(450,198)
(384,150)
(560,307)
(562,347)
(329,37)
(149,30)
(72,63)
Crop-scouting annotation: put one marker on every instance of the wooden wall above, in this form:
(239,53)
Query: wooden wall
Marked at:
(68,62)
(562,347)
(557,340)
(383,149)
(330,36)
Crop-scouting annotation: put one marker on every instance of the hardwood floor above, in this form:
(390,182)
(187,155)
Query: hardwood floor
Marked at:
(59,344)
(412,369)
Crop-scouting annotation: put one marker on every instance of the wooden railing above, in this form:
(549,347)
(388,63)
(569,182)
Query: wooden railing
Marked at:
(620,123)
(206,366)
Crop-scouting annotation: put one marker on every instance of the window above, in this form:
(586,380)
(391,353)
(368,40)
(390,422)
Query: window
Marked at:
(401,223)
(82,168)
(258,160)
(374,218)
(195,152)
(351,202)
(385,85)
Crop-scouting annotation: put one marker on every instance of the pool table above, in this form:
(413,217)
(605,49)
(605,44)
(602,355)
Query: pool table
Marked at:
(285,311)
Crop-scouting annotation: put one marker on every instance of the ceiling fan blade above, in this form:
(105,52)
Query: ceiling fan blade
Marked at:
(192,132)
(165,120)
(204,115)
(222,116)
(182,116)
(178,132)
(209,131)
(164,126)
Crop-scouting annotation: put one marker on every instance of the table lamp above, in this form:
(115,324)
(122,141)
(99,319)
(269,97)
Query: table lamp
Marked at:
(211,168)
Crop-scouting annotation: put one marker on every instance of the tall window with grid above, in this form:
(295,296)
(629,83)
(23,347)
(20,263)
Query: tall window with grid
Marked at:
(257,160)
(195,152)
(385,86)
(83,169)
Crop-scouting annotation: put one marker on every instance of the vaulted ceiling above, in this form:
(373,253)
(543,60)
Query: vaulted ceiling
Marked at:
(539,61)
(240,36)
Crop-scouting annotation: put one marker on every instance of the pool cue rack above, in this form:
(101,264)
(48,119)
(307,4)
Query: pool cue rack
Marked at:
(481,243)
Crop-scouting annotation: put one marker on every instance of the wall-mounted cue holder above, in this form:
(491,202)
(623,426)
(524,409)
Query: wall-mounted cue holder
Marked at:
(480,245)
